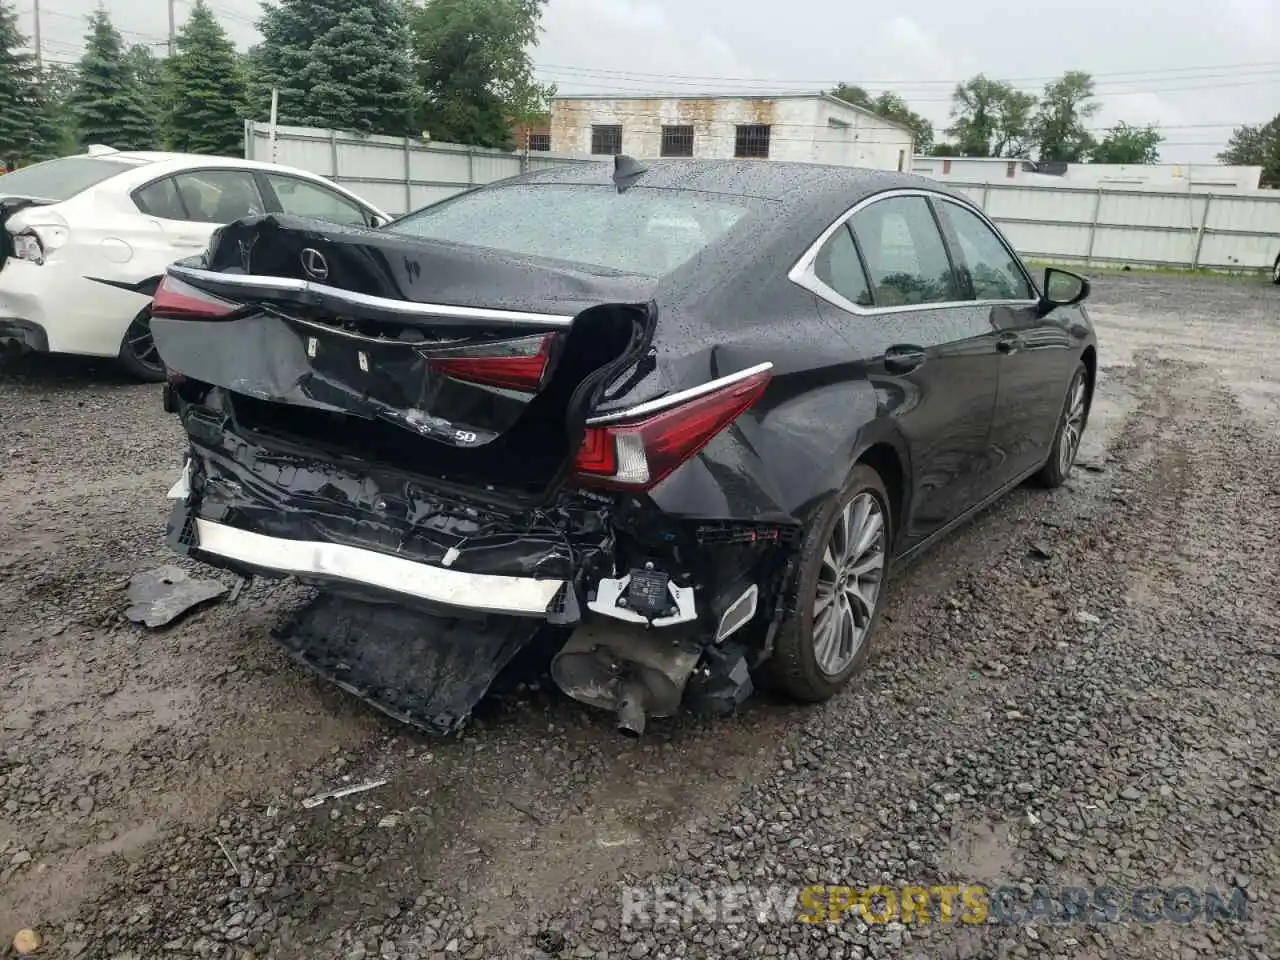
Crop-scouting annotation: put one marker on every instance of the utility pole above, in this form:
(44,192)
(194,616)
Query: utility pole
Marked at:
(171,25)
(35,34)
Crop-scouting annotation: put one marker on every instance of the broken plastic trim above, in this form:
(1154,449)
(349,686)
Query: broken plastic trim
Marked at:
(308,292)
(490,593)
(682,396)
(610,591)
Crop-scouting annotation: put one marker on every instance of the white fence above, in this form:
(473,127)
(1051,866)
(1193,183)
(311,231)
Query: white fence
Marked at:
(1089,225)
(1105,225)
(394,174)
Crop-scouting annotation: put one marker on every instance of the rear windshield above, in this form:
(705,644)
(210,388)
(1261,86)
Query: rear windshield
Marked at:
(644,230)
(59,180)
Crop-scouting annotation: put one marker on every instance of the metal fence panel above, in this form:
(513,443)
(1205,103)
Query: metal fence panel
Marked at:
(1072,223)
(393,173)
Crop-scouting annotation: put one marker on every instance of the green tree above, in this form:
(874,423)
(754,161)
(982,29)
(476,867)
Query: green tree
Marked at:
(204,88)
(474,68)
(336,63)
(149,79)
(990,118)
(107,103)
(1256,146)
(20,94)
(892,107)
(1126,144)
(1059,130)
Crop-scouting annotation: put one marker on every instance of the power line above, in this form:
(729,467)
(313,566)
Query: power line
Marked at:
(660,92)
(827,81)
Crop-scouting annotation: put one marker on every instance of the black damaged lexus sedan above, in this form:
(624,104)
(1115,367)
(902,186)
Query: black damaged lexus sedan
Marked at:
(680,420)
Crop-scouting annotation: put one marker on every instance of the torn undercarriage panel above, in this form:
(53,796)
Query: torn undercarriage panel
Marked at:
(424,670)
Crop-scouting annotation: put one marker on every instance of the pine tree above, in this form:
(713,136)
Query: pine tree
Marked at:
(335,63)
(108,105)
(148,77)
(205,88)
(20,101)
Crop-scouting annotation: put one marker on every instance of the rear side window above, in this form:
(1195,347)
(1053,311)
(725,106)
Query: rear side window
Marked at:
(840,269)
(160,199)
(644,230)
(219,196)
(59,180)
(905,255)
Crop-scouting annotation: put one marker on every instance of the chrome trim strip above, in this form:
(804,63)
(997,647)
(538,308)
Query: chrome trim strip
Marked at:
(739,613)
(474,591)
(803,275)
(401,307)
(682,396)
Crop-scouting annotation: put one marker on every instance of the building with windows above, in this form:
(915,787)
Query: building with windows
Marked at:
(806,127)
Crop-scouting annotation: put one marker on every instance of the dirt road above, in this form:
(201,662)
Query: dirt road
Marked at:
(1079,689)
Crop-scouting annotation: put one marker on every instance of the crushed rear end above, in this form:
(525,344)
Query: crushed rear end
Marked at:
(410,426)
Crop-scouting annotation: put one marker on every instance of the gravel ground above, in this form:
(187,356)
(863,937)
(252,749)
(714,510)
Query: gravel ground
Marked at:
(1078,689)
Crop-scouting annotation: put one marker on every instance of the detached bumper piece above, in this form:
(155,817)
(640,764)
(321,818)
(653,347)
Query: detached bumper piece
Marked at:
(317,560)
(424,670)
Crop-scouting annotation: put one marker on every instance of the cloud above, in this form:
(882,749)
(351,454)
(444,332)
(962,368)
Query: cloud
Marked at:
(611,38)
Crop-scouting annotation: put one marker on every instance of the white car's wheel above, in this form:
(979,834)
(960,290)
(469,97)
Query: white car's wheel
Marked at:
(138,354)
(1275,271)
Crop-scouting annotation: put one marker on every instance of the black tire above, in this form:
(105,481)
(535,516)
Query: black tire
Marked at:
(794,667)
(1275,271)
(1075,411)
(138,355)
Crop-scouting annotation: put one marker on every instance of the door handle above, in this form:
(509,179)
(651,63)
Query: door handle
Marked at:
(1009,343)
(903,358)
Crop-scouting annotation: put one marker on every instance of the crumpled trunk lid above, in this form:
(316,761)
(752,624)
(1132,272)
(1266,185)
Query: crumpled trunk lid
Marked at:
(457,363)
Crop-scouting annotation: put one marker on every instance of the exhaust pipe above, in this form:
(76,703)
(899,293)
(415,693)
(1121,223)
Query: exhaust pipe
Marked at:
(631,713)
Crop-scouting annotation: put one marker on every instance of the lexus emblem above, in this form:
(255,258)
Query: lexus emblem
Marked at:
(314,264)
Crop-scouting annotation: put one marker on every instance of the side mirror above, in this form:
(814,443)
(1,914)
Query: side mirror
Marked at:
(1062,288)
(378,220)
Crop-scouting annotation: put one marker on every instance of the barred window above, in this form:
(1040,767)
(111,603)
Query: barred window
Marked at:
(606,139)
(752,140)
(540,141)
(677,141)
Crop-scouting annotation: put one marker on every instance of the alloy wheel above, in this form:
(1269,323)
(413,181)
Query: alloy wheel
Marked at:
(1275,271)
(849,584)
(1072,427)
(141,344)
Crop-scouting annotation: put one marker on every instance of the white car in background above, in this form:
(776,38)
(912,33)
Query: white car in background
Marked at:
(84,240)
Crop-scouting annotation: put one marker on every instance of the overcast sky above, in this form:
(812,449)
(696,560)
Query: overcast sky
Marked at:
(1195,69)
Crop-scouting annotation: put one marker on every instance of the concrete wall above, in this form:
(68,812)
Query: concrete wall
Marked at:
(805,129)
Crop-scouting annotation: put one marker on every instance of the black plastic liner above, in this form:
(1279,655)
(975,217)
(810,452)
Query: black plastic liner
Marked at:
(424,670)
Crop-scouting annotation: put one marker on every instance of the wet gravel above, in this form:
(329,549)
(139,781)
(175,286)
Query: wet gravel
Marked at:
(1080,689)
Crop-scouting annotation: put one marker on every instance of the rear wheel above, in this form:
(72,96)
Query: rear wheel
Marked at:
(1275,271)
(1066,442)
(844,565)
(138,355)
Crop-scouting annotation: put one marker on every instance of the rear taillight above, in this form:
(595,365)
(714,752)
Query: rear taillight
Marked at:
(520,364)
(179,300)
(639,453)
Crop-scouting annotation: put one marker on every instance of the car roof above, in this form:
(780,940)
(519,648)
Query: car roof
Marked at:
(180,161)
(782,181)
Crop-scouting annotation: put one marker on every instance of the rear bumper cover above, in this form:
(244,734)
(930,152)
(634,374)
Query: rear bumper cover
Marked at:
(488,593)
